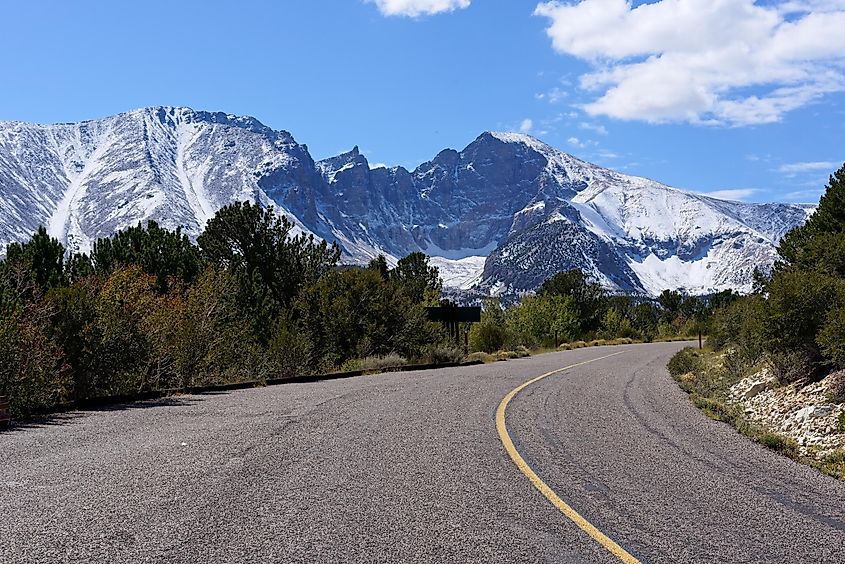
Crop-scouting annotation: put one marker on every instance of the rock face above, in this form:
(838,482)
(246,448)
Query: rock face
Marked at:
(803,413)
(502,215)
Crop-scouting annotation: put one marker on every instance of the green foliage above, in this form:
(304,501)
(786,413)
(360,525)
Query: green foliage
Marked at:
(441,353)
(159,252)
(356,313)
(829,218)
(271,264)
(491,334)
(124,308)
(589,297)
(74,327)
(831,337)
(417,279)
(32,373)
(778,443)
(540,319)
(796,310)
(684,362)
(205,338)
(31,268)
(615,324)
(671,302)
(290,351)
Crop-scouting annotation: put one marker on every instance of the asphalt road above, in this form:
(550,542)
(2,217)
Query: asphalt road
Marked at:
(408,467)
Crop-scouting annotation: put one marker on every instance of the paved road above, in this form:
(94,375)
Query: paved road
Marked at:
(410,468)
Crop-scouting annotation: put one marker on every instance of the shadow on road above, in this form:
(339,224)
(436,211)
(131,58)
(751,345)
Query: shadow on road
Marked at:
(71,417)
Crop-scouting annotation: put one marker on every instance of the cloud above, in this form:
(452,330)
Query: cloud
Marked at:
(417,8)
(595,128)
(526,125)
(733,194)
(729,62)
(794,168)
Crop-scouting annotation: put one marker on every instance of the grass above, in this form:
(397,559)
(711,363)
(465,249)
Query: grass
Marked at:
(702,376)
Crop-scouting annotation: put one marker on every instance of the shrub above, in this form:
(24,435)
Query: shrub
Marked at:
(796,310)
(290,352)
(442,354)
(486,337)
(778,443)
(684,362)
(522,352)
(791,365)
(831,338)
(31,373)
(381,363)
(482,356)
(837,387)
(506,355)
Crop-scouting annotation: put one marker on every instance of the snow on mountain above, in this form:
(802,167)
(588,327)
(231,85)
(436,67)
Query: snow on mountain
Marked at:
(174,165)
(501,215)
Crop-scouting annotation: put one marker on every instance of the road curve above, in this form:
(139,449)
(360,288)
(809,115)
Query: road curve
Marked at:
(409,467)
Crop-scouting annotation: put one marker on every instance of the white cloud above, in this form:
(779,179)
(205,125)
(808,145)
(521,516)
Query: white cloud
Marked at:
(794,168)
(733,194)
(417,8)
(734,62)
(526,125)
(595,128)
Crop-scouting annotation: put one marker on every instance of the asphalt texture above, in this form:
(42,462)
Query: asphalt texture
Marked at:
(408,467)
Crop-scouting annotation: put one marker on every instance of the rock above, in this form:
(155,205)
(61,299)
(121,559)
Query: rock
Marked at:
(756,388)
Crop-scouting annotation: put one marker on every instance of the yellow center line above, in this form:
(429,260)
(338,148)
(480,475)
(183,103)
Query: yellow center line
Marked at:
(538,483)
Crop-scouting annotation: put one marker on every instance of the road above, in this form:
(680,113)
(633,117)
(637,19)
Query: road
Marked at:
(410,467)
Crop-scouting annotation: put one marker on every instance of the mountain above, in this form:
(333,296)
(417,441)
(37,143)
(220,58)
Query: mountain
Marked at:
(499,216)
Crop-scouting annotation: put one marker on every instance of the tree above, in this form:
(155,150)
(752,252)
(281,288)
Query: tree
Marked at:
(159,252)
(589,297)
(270,263)
(491,334)
(354,313)
(39,261)
(542,319)
(821,236)
(417,278)
(379,264)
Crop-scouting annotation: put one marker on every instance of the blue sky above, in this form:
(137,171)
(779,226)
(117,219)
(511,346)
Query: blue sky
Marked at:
(709,95)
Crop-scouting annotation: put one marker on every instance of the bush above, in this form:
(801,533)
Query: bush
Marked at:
(831,338)
(486,337)
(290,352)
(31,368)
(796,310)
(791,365)
(778,443)
(381,363)
(481,356)
(837,387)
(684,362)
(442,354)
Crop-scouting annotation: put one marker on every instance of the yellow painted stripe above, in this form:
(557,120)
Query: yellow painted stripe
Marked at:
(538,483)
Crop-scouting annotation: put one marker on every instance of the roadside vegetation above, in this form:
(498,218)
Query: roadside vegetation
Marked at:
(792,325)
(150,310)
(571,311)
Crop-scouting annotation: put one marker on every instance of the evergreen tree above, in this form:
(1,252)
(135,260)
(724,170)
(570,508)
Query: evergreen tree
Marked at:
(39,262)
(270,263)
(159,252)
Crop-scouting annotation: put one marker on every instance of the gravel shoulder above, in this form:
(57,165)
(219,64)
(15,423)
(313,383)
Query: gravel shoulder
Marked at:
(409,467)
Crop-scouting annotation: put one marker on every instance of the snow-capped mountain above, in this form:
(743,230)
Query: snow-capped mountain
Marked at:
(501,215)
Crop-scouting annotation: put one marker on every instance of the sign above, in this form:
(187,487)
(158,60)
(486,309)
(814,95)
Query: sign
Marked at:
(454,314)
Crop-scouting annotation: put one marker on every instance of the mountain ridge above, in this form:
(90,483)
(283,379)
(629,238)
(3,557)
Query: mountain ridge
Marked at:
(497,200)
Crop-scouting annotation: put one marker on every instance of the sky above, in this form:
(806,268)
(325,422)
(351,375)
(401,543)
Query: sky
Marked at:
(741,99)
